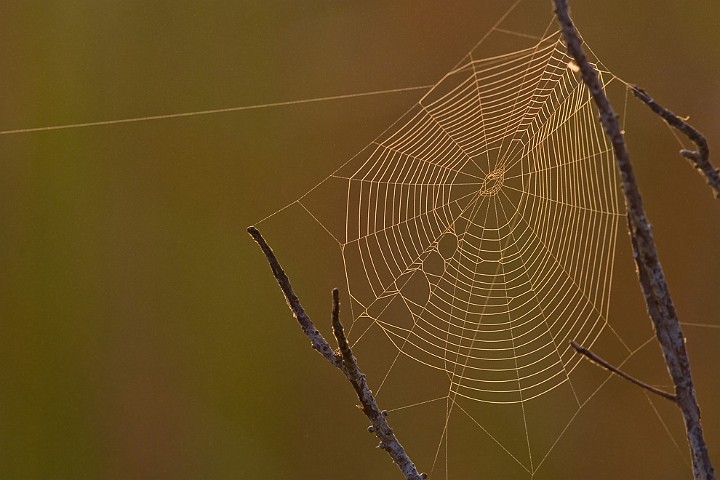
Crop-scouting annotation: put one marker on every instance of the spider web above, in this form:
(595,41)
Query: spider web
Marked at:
(478,235)
(490,217)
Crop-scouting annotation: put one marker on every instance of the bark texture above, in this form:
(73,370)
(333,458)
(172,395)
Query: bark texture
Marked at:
(342,359)
(652,279)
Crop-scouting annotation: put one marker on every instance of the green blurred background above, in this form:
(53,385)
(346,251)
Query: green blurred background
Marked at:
(141,333)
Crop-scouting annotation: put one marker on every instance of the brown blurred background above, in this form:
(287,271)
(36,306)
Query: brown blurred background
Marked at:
(141,334)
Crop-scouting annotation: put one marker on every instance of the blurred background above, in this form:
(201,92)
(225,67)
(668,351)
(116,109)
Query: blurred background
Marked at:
(141,332)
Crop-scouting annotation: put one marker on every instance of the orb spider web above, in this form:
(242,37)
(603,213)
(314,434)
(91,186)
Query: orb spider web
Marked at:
(478,239)
(490,217)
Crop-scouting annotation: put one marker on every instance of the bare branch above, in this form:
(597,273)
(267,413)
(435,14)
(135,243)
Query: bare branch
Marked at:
(316,339)
(345,361)
(701,157)
(650,273)
(605,364)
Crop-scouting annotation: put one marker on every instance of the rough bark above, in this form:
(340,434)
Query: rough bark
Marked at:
(344,360)
(652,279)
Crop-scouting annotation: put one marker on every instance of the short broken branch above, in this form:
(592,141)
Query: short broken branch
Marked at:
(344,360)
(699,158)
(608,366)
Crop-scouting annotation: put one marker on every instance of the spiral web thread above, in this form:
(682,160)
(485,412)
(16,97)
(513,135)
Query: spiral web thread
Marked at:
(479,237)
(491,215)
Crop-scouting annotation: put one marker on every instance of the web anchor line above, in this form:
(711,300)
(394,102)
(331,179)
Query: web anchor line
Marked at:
(209,112)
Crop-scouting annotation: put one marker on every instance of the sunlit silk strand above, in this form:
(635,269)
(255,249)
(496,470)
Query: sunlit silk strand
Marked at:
(211,112)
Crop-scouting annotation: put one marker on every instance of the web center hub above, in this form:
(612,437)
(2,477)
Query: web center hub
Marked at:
(493,182)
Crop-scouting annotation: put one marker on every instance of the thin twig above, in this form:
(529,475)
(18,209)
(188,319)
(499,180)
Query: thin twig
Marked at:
(650,273)
(699,158)
(316,339)
(605,364)
(344,360)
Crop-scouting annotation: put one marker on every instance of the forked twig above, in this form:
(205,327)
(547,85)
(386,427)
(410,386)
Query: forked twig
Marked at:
(608,366)
(343,360)
(650,273)
(701,157)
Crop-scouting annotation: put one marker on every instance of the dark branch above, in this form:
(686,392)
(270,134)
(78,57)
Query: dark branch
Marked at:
(701,157)
(380,426)
(347,356)
(316,339)
(650,273)
(605,364)
(345,361)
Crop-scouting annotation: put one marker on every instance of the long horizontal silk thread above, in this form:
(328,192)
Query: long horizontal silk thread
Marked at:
(209,112)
